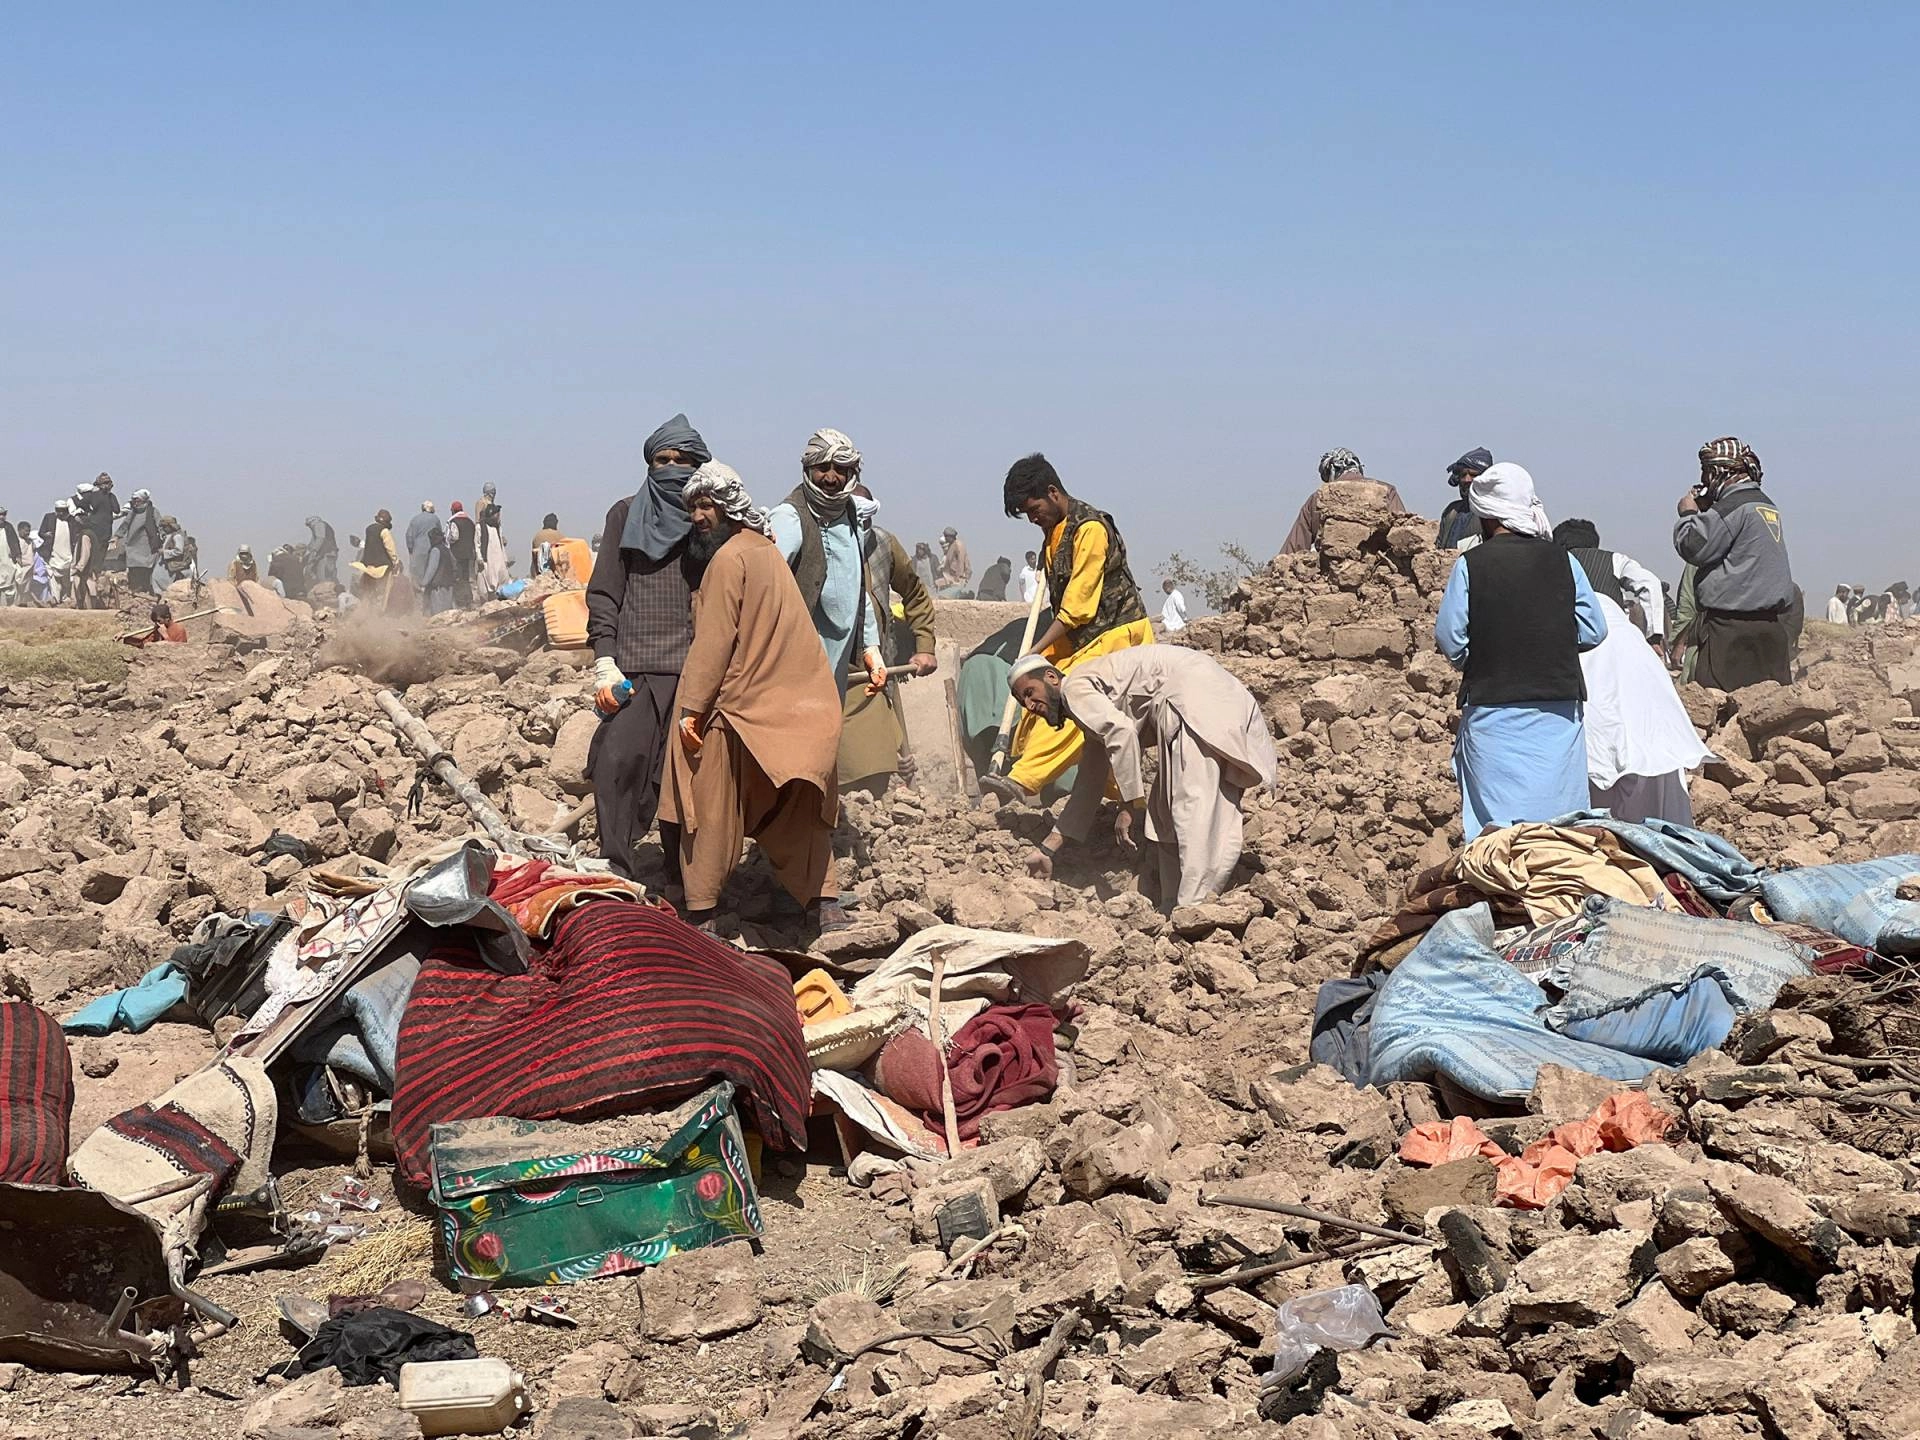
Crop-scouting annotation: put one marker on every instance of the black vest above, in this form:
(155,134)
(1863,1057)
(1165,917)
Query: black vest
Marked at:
(1599,567)
(1522,635)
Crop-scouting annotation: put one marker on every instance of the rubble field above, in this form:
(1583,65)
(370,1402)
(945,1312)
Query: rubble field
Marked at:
(1752,1277)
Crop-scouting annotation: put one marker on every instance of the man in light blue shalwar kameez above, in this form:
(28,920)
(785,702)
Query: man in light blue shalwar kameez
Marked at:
(822,535)
(1517,614)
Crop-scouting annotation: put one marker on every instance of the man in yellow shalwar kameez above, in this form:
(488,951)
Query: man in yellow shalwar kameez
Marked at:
(1096,610)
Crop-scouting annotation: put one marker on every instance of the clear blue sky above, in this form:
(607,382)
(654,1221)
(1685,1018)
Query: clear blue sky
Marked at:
(265,260)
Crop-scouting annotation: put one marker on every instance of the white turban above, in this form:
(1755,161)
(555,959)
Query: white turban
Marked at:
(1027,665)
(829,447)
(723,485)
(1504,493)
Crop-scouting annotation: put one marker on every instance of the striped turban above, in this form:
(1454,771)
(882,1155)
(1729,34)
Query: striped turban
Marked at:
(829,447)
(723,485)
(1727,459)
(1336,463)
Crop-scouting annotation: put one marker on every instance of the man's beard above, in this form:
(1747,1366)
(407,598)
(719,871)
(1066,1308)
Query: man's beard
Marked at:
(702,546)
(1057,709)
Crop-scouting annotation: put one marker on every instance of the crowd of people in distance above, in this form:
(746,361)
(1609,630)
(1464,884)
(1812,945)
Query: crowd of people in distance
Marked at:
(89,549)
(1854,605)
(86,545)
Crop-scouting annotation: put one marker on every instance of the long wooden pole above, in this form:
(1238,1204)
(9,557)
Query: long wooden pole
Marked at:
(1003,742)
(416,734)
(937,1031)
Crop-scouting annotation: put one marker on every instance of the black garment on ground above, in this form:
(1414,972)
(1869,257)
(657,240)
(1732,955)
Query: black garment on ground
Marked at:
(625,763)
(1737,650)
(371,1345)
(1523,639)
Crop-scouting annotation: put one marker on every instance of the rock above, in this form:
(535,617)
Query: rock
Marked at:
(531,810)
(700,1294)
(1756,1038)
(1582,1279)
(371,832)
(1561,1094)
(309,1403)
(1009,1166)
(568,762)
(1774,709)
(1777,1212)
(585,1372)
(1746,1309)
(1410,1193)
(1220,970)
(1885,799)
(1604,1182)
(1483,1414)
(16,862)
(1180,1359)
(1693,1267)
(839,1325)
(584,1417)
(1887,1405)
(1234,911)
(1696,1385)
(1118,1161)
(483,746)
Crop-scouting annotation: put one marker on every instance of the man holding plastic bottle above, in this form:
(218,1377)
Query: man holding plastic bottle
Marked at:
(640,623)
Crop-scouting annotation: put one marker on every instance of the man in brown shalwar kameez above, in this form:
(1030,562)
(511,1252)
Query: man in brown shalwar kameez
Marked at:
(759,714)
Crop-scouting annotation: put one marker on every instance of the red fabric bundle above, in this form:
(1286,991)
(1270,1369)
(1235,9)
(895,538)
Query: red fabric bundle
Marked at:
(628,1009)
(36,1096)
(1002,1059)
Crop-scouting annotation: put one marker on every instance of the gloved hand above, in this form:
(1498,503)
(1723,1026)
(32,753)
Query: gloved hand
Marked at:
(876,665)
(607,681)
(691,740)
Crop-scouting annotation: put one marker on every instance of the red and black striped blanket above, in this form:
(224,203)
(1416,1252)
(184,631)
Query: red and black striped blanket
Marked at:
(627,1009)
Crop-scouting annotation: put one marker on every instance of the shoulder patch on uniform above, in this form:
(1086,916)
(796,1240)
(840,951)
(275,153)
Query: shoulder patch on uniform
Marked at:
(1772,517)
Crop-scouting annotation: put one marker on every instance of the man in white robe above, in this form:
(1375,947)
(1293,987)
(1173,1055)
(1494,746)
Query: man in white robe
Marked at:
(1213,745)
(1640,741)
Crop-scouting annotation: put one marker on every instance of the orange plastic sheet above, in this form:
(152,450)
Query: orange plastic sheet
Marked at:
(1531,1179)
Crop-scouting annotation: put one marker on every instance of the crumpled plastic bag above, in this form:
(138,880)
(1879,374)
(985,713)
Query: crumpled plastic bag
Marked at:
(1531,1179)
(1345,1318)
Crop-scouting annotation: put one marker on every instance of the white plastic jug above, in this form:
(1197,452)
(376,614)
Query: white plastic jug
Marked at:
(463,1397)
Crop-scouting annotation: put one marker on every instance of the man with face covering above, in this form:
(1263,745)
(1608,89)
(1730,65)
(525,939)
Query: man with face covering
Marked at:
(640,623)
(823,537)
(1458,523)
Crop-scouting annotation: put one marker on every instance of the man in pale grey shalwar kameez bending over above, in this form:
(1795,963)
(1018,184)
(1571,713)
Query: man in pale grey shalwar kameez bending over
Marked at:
(1213,745)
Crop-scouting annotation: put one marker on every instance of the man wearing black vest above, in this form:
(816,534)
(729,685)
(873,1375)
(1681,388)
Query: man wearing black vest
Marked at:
(1620,578)
(1731,532)
(1516,617)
